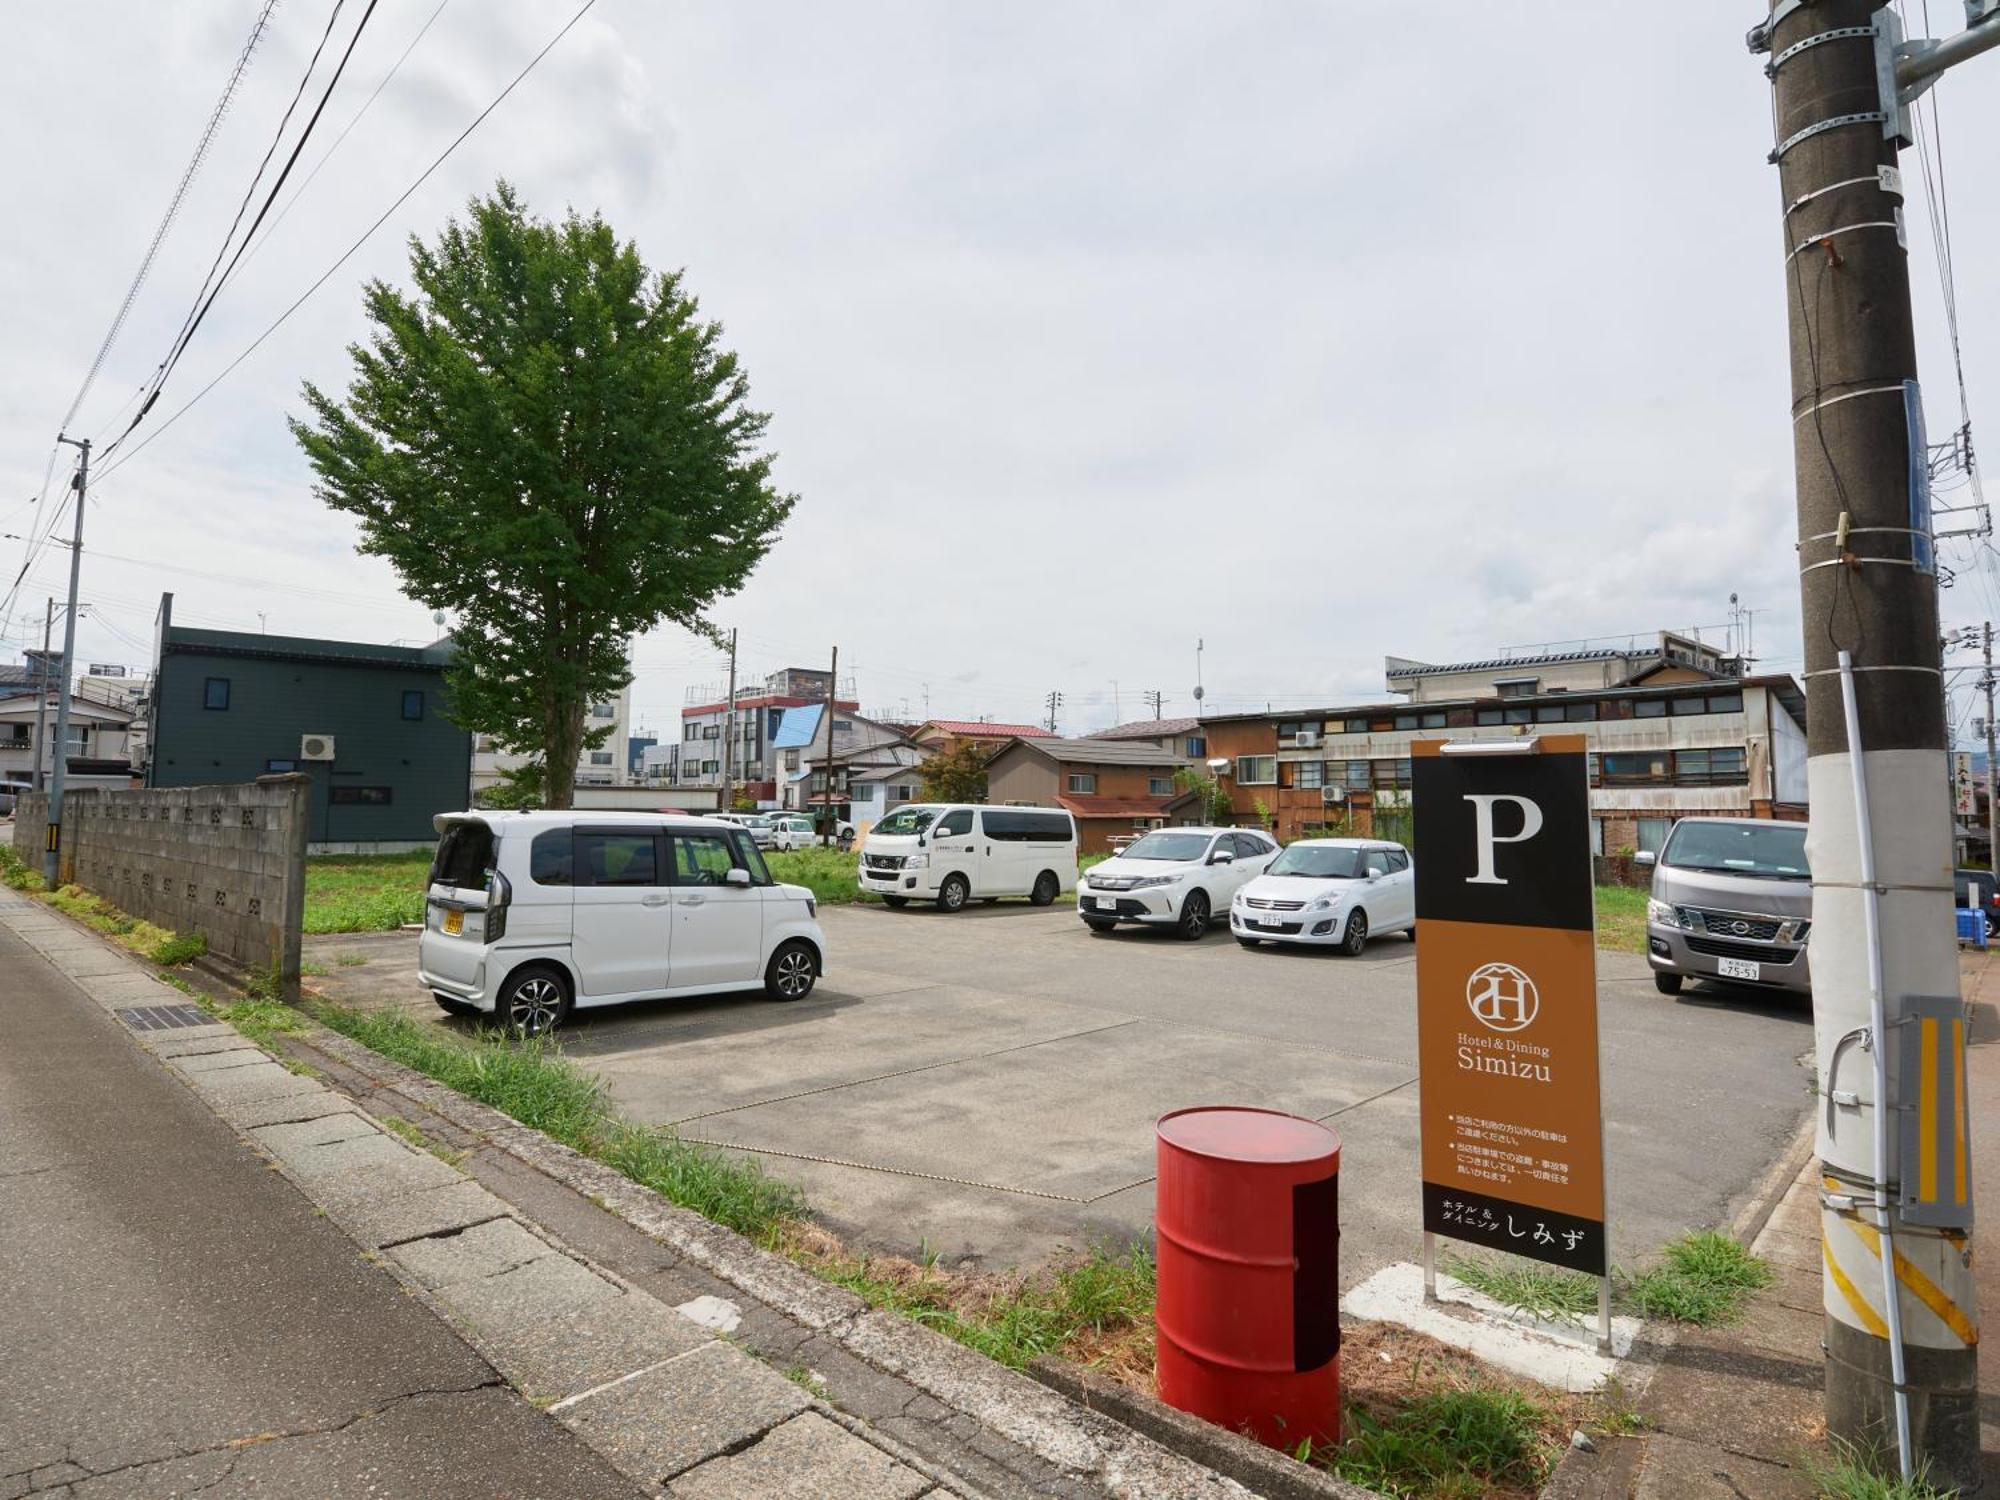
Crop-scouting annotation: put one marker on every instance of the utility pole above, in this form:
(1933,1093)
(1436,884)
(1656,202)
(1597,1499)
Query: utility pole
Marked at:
(1156,698)
(1902,1304)
(832,707)
(729,733)
(59,775)
(1992,807)
(42,698)
(1054,702)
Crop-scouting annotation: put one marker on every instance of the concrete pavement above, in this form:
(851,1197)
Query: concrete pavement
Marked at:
(986,1083)
(179,1318)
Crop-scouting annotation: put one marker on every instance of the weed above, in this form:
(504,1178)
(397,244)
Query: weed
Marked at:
(157,945)
(1854,1475)
(365,892)
(1704,1278)
(1541,1291)
(263,1021)
(827,873)
(1621,919)
(179,983)
(309,968)
(807,1381)
(15,874)
(350,960)
(415,1135)
(1448,1445)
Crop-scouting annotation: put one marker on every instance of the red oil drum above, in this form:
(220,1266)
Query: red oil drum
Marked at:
(1248,1223)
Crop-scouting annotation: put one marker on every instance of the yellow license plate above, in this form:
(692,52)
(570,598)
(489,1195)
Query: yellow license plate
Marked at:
(454,923)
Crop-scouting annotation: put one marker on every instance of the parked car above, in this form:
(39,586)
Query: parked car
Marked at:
(1977,890)
(1329,892)
(792,831)
(1173,877)
(952,854)
(759,825)
(1732,899)
(533,915)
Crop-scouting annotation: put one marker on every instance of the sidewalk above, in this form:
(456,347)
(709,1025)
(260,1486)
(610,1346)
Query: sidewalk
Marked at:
(656,1346)
(1737,1412)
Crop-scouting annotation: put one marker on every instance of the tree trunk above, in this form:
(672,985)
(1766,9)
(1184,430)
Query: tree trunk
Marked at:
(565,744)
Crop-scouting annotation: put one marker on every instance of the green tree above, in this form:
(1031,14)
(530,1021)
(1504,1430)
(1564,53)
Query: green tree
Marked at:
(1215,805)
(957,775)
(546,440)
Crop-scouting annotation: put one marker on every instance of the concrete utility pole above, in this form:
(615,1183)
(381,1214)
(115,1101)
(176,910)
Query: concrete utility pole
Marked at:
(832,708)
(1992,807)
(729,734)
(1156,698)
(1054,702)
(1900,1298)
(51,859)
(42,697)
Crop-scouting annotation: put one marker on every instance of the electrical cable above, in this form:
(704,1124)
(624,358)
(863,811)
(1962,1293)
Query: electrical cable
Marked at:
(362,239)
(202,309)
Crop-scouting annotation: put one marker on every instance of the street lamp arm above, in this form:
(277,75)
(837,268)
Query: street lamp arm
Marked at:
(1919,63)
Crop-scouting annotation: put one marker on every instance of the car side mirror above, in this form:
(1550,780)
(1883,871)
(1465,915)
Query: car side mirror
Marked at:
(1222,857)
(737,876)
(1645,857)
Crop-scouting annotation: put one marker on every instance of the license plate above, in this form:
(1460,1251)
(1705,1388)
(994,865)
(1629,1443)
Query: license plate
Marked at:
(1269,919)
(454,923)
(1736,968)
(1106,903)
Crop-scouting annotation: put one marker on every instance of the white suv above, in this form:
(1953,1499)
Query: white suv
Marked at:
(532,915)
(1173,877)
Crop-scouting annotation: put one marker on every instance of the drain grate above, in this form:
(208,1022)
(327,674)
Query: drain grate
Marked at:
(164,1017)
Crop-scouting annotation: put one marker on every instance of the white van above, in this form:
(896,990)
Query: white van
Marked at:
(532,915)
(951,854)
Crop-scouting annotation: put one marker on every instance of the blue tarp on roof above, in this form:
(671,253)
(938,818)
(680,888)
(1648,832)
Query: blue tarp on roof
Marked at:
(799,727)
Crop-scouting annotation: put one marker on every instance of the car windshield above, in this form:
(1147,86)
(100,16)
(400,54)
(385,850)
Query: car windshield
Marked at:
(755,820)
(1771,851)
(1166,845)
(1318,862)
(908,820)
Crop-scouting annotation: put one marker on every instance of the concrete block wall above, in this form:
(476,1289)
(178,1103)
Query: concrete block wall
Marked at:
(225,861)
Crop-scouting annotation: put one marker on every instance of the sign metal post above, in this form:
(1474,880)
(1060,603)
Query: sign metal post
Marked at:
(1507,1047)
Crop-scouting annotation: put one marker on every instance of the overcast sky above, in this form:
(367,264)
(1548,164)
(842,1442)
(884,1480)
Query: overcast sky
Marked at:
(1315,332)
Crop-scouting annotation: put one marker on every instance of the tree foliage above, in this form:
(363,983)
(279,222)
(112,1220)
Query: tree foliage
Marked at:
(1215,804)
(545,439)
(956,775)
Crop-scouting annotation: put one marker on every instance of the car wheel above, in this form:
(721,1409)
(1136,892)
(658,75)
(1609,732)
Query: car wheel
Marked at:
(1665,983)
(792,972)
(896,901)
(1194,916)
(1355,938)
(1099,924)
(1047,888)
(453,1007)
(1411,932)
(954,893)
(535,1001)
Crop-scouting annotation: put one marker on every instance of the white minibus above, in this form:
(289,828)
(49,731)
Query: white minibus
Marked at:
(955,853)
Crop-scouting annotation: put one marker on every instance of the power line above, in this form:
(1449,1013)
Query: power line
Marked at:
(359,241)
(207,301)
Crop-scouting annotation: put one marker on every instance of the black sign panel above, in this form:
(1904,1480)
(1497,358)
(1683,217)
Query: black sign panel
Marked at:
(1498,837)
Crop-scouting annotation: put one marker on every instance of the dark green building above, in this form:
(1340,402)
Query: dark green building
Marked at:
(366,722)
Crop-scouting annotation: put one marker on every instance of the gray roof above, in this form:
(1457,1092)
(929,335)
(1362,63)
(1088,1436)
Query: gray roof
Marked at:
(1096,751)
(1398,666)
(1141,729)
(187,639)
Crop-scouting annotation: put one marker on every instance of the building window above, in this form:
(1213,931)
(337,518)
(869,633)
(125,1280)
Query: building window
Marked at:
(1723,766)
(711,731)
(603,711)
(690,731)
(279,767)
(1355,726)
(413,704)
(901,793)
(1597,835)
(1197,746)
(1726,703)
(1488,716)
(1649,708)
(1159,786)
(1516,687)
(360,796)
(1652,834)
(1312,775)
(215,693)
(1257,770)
(1391,775)
(1645,768)
(1083,783)
(600,757)
(1357,776)
(1685,706)
(1580,713)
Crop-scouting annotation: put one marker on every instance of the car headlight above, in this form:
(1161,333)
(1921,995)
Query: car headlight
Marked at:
(1325,903)
(1151,880)
(1660,912)
(812,906)
(917,862)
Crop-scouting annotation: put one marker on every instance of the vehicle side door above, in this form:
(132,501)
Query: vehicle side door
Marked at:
(1402,878)
(1004,852)
(1252,855)
(621,923)
(955,846)
(1379,895)
(718,921)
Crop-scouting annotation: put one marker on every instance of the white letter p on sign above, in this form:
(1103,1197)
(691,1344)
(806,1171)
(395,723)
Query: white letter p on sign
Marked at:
(1482,832)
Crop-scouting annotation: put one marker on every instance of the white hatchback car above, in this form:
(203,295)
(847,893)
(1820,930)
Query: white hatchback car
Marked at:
(1328,892)
(533,915)
(1173,877)
(791,831)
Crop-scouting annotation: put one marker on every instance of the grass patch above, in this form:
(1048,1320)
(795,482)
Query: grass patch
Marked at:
(1852,1475)
(1446,1445)
(827,873)
(534,1083)
(157,945)
(15,874)
(1072,1309)
(1621,919)
(263,1021)
(1704,1278)
(365,892)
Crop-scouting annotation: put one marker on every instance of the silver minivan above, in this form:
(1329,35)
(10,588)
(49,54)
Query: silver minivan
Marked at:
(1732,900)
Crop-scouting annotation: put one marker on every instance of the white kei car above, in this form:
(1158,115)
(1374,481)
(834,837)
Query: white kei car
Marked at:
(792,831)
(1173,877)
(1329,892)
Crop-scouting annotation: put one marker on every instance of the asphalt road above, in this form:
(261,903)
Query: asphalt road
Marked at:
(178,1319)
(984,1085)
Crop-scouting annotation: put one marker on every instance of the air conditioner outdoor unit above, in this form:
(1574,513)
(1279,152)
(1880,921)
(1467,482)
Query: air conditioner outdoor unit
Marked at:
(316,747)
(1328,794)
(1306,739)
